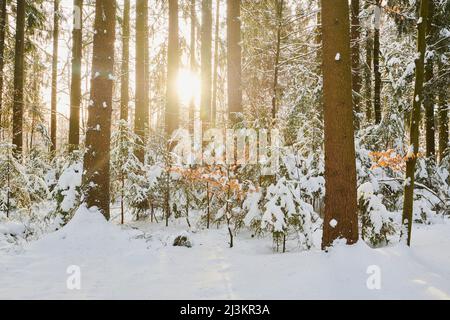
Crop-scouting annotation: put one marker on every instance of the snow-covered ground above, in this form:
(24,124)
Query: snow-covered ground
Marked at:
(139,262)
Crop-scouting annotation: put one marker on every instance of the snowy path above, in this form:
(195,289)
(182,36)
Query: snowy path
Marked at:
(125,264)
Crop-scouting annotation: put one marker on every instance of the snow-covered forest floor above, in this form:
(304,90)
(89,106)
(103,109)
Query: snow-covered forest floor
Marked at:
(138,261)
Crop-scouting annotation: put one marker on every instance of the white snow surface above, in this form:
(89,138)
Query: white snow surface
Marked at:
(138,261)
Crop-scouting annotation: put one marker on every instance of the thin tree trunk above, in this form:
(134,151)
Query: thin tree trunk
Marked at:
(54,94)
(17,139)
(368,75)
(3,24)
(206,48)
(414,127)
(125,70)
(340,167)
(234,62)
(216,65)
(96,161)
(193,62)
(376,64)
(443,123)
(356,72)
(75,85)
(141,117)
(429,95)
(279,7)
(172,108)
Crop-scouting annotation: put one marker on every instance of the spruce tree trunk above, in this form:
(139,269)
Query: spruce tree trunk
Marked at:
(141,116)
(368,75)
(429,93)
(18,103)
(356,76)
(443,118)
(340,165)
(75,84)
(415,123)
(54,94)
(125,69)
(376,64)
(216,65)
(172,106)
(3,24)
(234,61)
(193,62)
(96,176)
(206,48)
(279,8)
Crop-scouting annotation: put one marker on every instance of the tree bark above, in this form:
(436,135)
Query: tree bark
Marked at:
(54,94)
(443,119)
(376,64)
(216,65)
(206,74)
(429,95)
(141,116)
(96,176)
(415,122)
(125,69)
(356,72)
(172,106)
(3,24)
(279,8)
(368,75)
(234,62)
(340,166)
(193,61)
(75,85)
(17,139)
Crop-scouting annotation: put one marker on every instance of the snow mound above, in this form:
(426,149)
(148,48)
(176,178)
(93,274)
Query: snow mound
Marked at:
(87,232)
(11,228)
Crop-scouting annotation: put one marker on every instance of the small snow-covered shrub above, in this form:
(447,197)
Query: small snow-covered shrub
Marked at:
(377,223)
(24,183)
(281,211)
(67,191)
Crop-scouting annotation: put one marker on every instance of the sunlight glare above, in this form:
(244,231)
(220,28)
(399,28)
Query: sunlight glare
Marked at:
(188,86)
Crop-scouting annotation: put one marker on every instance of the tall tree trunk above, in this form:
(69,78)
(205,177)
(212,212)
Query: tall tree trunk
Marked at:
(279,8)
(17,139)
(54,94)
(368,75)
(172,108)
(193,61)
(341,219)
(141,117)
(234,62)
(96,160)
(125,69)
(376,63)
(429,95)
(75,84)
(415,122)
(3,24)
(443,117)
(356,72)
(206,48)
(216,65)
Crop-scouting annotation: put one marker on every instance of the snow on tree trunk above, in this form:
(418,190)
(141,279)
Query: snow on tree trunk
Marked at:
(96,161)
(340,166)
